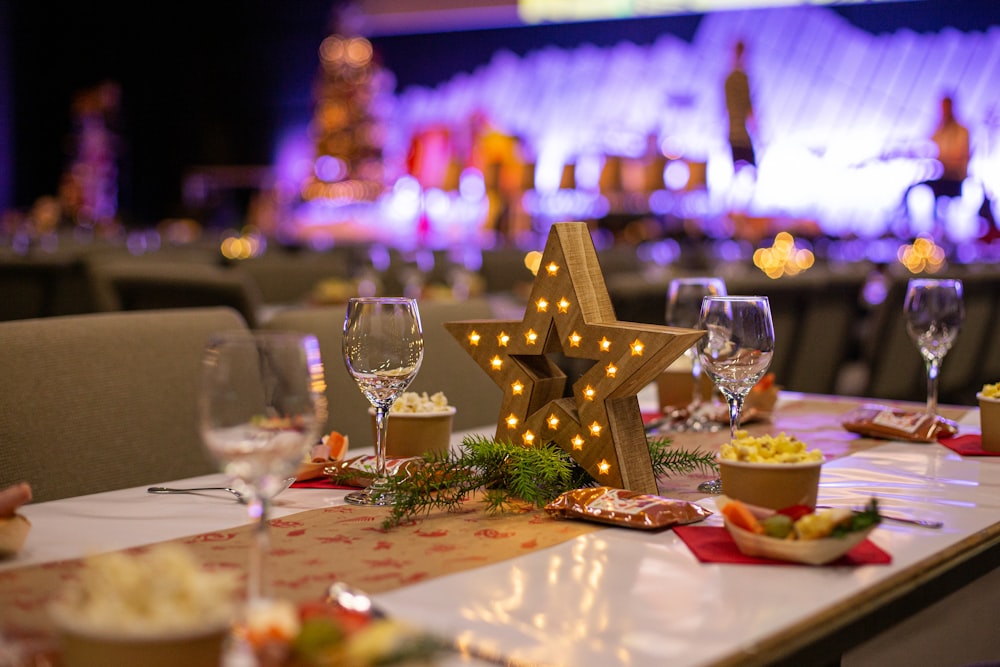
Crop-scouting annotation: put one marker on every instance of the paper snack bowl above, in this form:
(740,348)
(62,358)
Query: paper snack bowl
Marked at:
(989,422)
(84,647)
(414,433)
(771,485)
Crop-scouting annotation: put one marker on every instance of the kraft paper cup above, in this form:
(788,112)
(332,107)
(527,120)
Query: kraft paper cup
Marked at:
(989,422)
(79,648)
(414,433)
(771,485)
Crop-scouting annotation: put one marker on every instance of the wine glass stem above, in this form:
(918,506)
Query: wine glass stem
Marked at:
(735,408)
(257,508)
(933,366)
(696,379)
(381,428)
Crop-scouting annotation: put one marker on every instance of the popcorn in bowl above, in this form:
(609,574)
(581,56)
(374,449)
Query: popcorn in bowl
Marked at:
(991,390)
(160,591)
(770,471)
(412,402)
(155,608)
(782,448)
(989,416)
(418,423)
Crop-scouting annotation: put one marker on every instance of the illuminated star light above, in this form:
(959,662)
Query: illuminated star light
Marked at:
(516,388)
(604,467)
(552,268)
(604,344)
(542,305)
(496,363)
(531,337)
(528,437)
(577,442)
(574,339)
(512,421)
(563,305)
(474,338)
(503,338)
(553,422)
(637,347)
(611,370)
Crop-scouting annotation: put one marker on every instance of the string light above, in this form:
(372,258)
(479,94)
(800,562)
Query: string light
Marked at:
(552,268)
(496,363)
(574,339)
(516,388)
(603,467)
(512,420)
(503,338)
(604,344)
(922,256)
(528,437)
(595,429)
(576,441)
(542,305)
(637,347)
(474,338)
(563,305)
(783,258)
(589,393)
(531,337)
(611,370)
(553,422)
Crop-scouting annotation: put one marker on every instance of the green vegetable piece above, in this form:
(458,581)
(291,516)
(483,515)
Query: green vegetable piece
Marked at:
(778,525)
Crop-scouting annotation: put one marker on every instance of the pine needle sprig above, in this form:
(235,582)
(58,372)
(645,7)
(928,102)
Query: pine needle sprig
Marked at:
(670,461)
(509,476)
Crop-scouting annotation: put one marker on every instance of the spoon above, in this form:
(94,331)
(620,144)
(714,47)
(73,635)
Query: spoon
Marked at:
(288,481)
(923,523)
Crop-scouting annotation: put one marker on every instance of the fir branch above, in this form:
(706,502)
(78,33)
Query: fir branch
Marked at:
(510,475)
(668,461)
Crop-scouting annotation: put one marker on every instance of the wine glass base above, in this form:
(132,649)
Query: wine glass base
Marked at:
(713,486)
(369,498)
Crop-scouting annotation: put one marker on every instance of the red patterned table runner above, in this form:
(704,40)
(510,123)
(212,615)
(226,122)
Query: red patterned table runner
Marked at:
(312,549)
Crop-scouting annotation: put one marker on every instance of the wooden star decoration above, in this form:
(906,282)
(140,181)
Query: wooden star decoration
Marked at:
(570,311)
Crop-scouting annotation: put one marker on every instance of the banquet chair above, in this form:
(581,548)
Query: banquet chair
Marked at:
(445,368)
(104,401)
(150,284)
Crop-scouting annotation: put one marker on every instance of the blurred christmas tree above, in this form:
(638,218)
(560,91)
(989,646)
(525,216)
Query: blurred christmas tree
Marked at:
(352,96)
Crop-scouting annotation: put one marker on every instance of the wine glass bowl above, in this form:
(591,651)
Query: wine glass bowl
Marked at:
(735,352)
(383,348)
(261,406)
(684,297)
(934,310)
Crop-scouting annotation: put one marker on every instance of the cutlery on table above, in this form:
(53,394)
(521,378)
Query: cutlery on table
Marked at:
(923,523)
(197,489)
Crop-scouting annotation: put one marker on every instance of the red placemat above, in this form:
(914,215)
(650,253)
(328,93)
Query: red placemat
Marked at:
(320,483)
(713,544)
(967,445)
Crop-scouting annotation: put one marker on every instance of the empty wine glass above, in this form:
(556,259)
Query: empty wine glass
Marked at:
(383,348)
(684,297)
(261,406)
(934,311)
(735,352)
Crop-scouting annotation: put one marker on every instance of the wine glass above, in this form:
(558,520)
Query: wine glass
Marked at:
(261,406)
(684,296)
(735,352)
(934,311)
(383,348)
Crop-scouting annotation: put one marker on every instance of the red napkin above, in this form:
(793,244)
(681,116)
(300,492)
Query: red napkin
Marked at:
(320,483)
(967,445)
(713,544)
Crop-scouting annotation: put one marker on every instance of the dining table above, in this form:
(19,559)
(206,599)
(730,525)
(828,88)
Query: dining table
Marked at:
(528,588)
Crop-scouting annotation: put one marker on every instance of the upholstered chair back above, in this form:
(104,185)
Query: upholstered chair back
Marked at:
(103,401)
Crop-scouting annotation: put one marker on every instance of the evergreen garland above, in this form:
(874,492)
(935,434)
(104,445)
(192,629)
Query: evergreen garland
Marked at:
(510,475)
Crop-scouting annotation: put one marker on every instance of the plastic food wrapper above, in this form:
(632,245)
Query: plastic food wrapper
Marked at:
(878,421)
(358,471)
(628,509)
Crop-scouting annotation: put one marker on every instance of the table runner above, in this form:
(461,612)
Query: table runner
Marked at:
(312,549)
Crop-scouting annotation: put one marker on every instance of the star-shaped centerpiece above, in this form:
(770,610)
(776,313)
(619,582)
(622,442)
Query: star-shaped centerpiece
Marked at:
(570,312)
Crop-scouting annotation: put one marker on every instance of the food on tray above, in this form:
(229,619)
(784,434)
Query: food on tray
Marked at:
(14,528)
(332,448)
(878,421)
(620,507)
(798,534)
(800,522)
(410,401)
(13,497)
(159,591)
(781,448)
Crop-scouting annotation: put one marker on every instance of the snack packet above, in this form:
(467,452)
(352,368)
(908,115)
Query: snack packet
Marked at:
(620,507)
(879,421)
